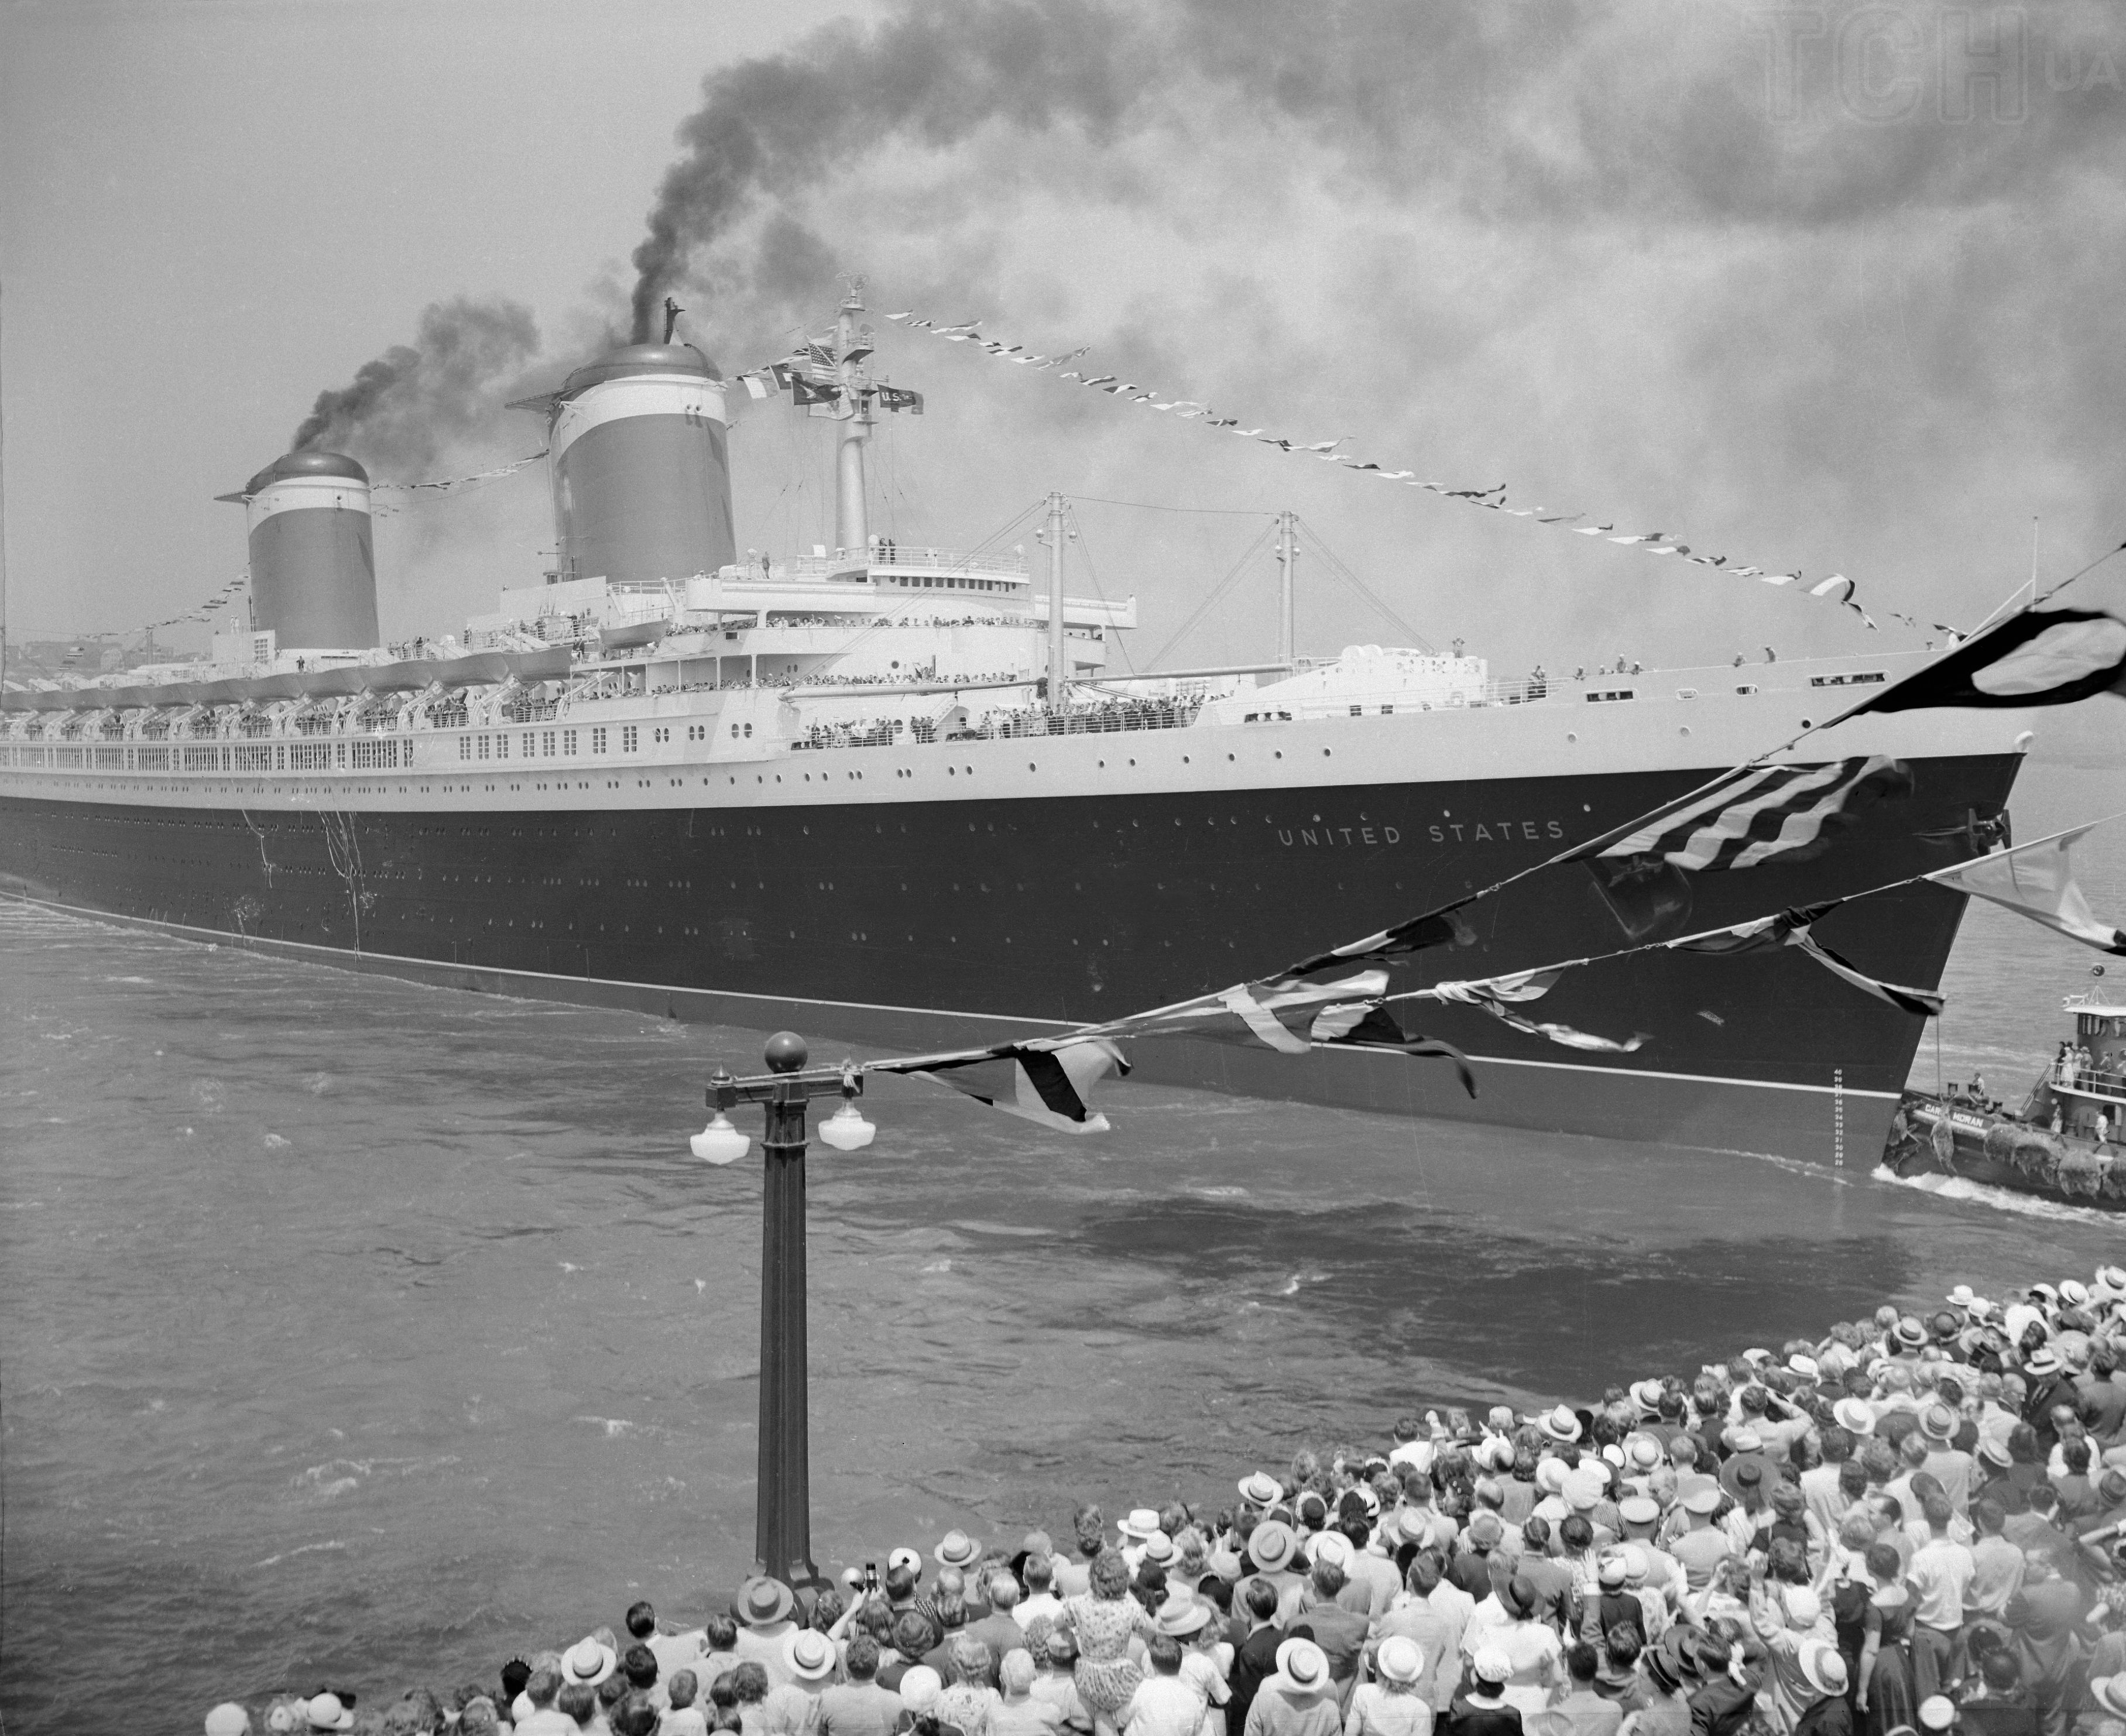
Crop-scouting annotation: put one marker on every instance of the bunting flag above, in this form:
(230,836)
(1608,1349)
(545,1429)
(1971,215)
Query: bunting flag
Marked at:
(1291,1018)
(2037,658)
(894,398)
(1044,1081)
(1794,928)
(2037,880)
(1490,995)
(1836,588)
(1758,812)
(1444,927)
(803,391)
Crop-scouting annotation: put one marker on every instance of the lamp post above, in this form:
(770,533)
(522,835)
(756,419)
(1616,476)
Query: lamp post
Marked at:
(782,1498)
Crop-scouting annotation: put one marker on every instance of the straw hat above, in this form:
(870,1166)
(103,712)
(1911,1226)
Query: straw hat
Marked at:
(1140,1523)
(1401,1658)
(1559,1424)
(1273,1545)
(1181,1615)
(326,1712)
(910,1559)
(1855,1416)
(760,1603)
(1329,1546)
(1303,1664)
(587,1661)
(1824,1666)
(1258,1488)
(1158,1549)
(2109,1692)
(956,1548)
(1492,1665)
(809,1654)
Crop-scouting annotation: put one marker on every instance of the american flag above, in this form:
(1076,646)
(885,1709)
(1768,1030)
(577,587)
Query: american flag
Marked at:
(1784,812)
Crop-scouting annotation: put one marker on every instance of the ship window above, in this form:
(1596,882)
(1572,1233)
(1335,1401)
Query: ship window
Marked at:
(598,741)
(568,742)
(546,744)
(734,731)
(483,747)
(464,747)
(1358,711)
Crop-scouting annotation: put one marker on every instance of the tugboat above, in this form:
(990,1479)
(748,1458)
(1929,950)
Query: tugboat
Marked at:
(2062,1144)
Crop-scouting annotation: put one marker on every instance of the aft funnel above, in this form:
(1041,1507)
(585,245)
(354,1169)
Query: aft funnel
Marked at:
(641,470)
(312,565)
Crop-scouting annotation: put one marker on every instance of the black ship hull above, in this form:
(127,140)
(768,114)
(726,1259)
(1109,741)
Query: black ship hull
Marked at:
(922,924)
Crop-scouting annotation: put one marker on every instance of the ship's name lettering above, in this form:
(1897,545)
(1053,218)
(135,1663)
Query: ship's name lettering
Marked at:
(1459,832)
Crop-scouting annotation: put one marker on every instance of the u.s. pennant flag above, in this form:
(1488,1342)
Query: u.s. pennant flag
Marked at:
(1757,815)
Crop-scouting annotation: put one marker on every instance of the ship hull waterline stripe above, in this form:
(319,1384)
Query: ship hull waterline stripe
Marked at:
(990,1021)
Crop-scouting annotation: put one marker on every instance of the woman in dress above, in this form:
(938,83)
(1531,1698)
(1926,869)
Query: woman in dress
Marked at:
(1884,1697)
(1103,1620)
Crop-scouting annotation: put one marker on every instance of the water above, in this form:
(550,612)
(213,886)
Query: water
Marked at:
(358,1333)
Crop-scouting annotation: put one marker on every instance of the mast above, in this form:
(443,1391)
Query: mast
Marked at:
(1287,559)
(852,531)
(1059,667)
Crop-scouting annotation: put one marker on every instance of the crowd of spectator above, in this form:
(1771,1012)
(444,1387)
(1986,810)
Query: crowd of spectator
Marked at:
(1909,1527)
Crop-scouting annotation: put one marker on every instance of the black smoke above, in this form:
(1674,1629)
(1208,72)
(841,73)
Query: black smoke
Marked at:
(415,402)
(935,73)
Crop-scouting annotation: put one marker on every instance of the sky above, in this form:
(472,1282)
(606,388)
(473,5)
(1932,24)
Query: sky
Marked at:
(1830,289)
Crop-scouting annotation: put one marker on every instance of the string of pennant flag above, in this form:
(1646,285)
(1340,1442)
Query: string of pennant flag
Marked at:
(1835,589)
(443,485)
(202,611)
(1751,814)
(1049,1079)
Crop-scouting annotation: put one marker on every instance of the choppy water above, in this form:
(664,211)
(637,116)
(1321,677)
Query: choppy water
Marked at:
(360,1332)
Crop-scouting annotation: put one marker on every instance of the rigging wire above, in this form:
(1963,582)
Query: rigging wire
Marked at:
(1146,506)
(1070,511)
(1202,608)
(1338,570)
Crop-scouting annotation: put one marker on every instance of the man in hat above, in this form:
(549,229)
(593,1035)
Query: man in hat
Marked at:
(2050,1387)
(1704,1545)
(764,1608)
(1948,1464)
(1274,1549)
(1299,1700)
(1412,1616)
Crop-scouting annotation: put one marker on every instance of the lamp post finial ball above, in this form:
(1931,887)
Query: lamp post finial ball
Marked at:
(785,1052)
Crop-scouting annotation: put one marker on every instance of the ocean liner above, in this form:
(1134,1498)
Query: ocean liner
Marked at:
(895,797)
